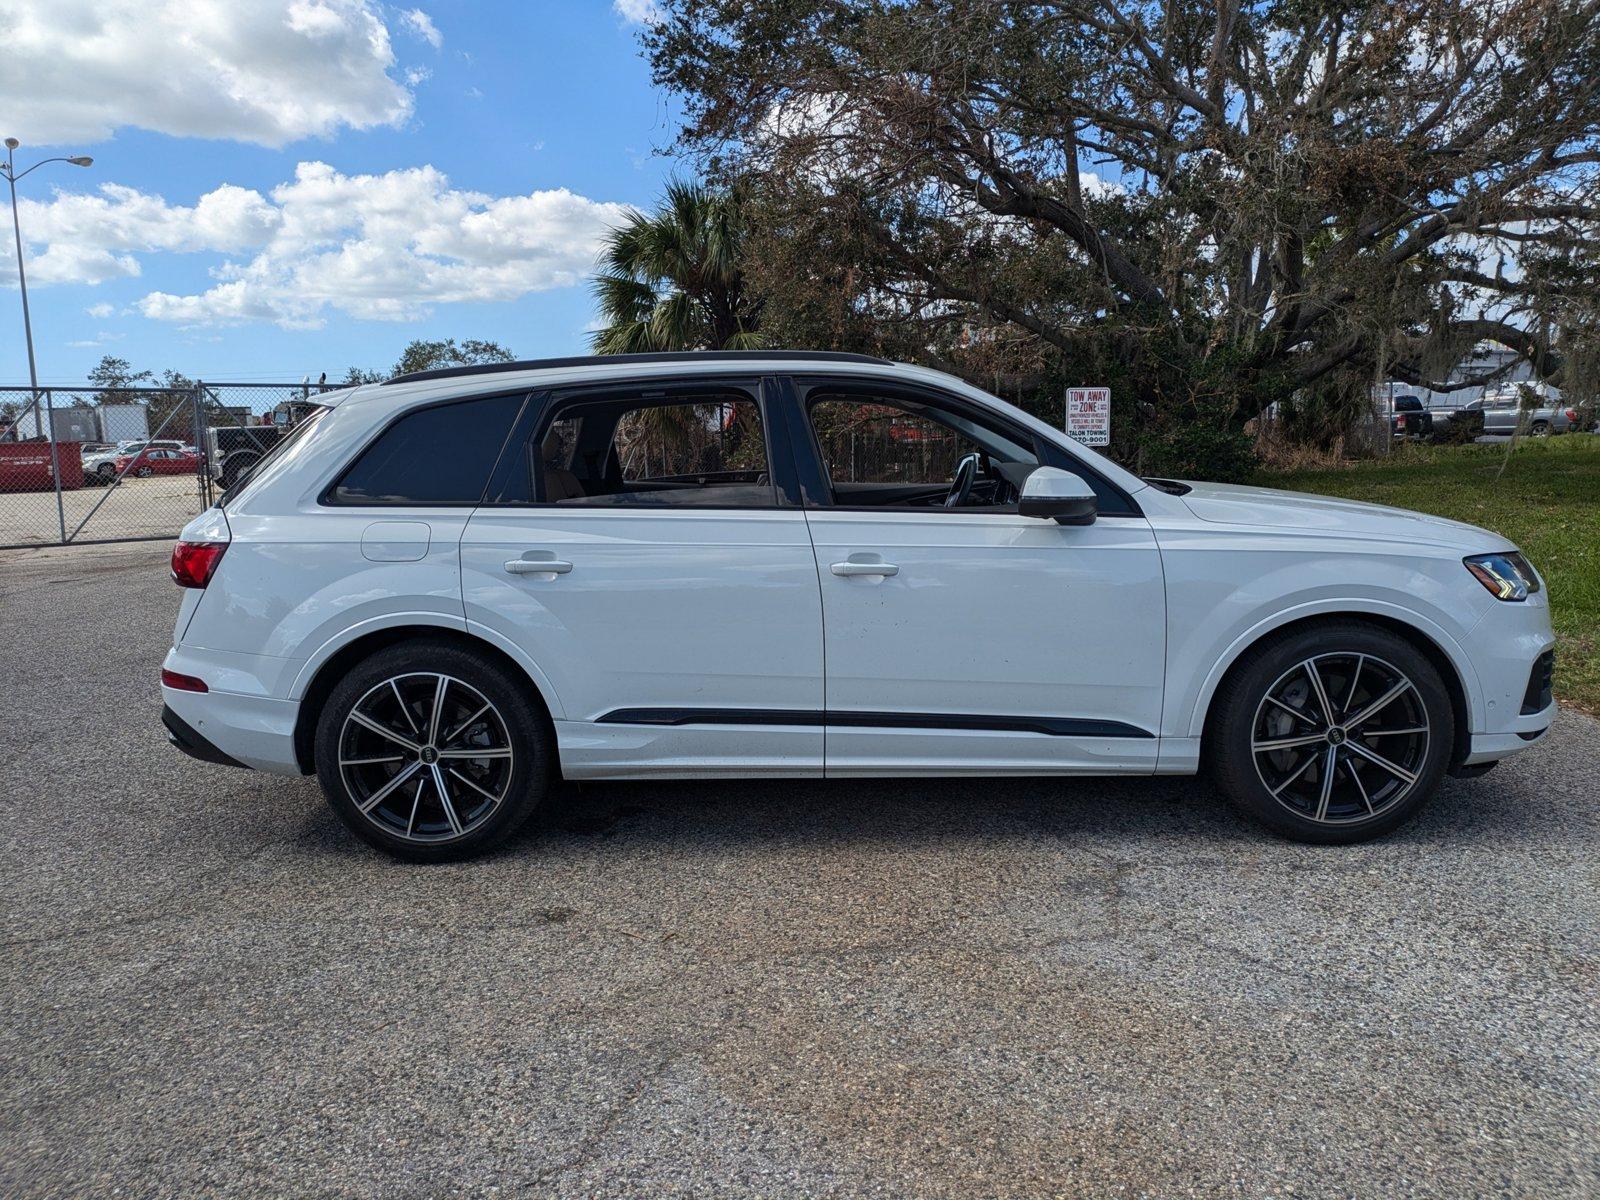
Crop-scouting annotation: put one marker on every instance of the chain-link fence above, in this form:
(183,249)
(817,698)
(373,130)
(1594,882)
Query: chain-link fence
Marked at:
(87,464)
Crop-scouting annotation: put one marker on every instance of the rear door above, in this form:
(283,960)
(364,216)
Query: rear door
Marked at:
(638,552)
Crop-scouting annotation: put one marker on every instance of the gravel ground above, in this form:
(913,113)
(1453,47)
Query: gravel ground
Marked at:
(158,505)
(867,988)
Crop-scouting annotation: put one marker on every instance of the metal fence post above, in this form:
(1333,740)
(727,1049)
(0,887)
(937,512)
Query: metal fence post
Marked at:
(55,462)
(196,423)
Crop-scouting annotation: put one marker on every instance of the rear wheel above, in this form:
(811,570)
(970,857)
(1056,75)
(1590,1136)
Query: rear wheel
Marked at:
(1336,733)
(1540,429)
(432,751)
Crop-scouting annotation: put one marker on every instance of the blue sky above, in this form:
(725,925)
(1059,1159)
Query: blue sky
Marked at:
(471,154)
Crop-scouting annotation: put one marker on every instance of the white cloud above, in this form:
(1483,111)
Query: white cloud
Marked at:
(637,12)
(377,247)
(416,75)
(100,311)
(421,24)
(266,71)
(92,238)
(100,339)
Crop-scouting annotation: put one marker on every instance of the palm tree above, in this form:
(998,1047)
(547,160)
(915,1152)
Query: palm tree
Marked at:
(670,280)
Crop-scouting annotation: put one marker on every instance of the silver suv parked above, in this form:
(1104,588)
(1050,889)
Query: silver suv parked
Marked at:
(1503,414)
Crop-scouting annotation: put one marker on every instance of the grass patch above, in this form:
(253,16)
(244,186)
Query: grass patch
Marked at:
(1547,501)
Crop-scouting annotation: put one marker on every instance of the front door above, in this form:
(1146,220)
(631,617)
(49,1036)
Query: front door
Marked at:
(636,552)
(961,636)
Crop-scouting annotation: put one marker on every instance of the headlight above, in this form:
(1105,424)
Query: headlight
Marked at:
(1507,576)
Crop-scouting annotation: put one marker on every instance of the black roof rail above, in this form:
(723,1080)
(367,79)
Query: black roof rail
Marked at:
(590,360)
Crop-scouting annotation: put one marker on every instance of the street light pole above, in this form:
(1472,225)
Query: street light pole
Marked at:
(22,274)
(10,172)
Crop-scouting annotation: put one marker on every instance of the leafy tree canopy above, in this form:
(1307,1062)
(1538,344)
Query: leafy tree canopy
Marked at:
(1211,206)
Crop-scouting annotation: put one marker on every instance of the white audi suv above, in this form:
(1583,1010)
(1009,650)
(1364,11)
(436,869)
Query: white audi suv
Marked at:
(442,593)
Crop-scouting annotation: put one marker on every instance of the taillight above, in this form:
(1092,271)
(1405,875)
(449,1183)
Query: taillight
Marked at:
(194,563)
(182,683)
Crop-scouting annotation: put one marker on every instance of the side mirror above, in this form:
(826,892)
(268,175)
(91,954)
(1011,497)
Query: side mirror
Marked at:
(1057,495)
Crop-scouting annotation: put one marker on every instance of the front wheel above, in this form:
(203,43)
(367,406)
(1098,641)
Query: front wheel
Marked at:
(432,751)
(1335,734)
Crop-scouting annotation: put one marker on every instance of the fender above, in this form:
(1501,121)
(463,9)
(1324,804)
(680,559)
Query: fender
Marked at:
(398,620)
(1328,606)
(432,620)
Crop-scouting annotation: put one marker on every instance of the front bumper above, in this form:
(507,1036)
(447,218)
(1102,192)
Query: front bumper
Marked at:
(1508,644)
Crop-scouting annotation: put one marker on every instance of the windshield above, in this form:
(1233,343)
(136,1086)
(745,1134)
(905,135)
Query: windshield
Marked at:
(289,438)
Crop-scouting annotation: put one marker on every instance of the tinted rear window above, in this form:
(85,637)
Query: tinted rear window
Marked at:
(439,455)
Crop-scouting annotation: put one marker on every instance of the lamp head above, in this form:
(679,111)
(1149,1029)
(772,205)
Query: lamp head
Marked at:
(12,143)
(81,160)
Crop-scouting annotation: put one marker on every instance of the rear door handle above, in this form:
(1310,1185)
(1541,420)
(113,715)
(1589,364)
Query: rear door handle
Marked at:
(849,569)
(538,562)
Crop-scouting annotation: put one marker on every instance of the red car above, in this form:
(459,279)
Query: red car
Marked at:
(158,461)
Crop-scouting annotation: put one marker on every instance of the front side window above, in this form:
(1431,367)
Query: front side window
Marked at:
(879,451)
(434,456)
(683,450)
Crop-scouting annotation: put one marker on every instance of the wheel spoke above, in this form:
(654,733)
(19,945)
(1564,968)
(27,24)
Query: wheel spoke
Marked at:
(1355,680)
(438,709)
(463,727)
(1298,771)
(1323,703)
(1378,760)
(377,797)
(1371,710)
(361,718)
(444,799)
(1360,787)
(367,762)
(1329,762)
(1286,743)
(460,778)
(1293,711)
(1372,733)
(500,752)
(411,722)
(416,802)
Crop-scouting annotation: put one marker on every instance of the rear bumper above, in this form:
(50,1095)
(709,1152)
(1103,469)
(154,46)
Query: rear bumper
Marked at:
(184,736)
(234,718)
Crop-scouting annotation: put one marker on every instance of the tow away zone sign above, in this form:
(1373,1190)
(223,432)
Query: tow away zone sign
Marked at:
(1089,415)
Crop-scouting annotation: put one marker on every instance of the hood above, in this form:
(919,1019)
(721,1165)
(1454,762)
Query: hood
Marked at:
(1228,504)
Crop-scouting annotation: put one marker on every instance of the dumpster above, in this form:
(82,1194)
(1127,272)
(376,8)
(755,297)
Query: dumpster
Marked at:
(25,466)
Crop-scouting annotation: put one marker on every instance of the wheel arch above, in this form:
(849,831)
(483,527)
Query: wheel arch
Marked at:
(1451,671)
(317,684)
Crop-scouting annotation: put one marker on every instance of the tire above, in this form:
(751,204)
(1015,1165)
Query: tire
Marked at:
(1540,429)
(490,794)
(234,466)
(107,473)
(1270,699)
(142,472)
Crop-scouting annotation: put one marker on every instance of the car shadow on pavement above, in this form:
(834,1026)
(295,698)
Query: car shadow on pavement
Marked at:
(1520,805)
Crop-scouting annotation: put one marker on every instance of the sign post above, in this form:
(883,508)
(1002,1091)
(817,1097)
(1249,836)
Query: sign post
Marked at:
(1089,415)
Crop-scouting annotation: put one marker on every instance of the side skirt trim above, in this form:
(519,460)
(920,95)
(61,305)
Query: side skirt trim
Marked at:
(1050,726)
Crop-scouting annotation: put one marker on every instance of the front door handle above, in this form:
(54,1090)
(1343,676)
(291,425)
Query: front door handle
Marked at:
(847,570)
(544,564)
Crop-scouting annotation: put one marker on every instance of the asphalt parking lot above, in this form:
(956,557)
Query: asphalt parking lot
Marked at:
(871,988)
